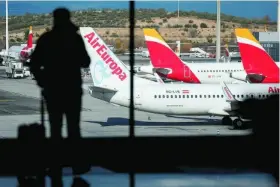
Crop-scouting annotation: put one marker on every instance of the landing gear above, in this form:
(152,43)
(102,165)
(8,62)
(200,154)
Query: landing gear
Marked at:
(234,124)
(238,124)
(226,121)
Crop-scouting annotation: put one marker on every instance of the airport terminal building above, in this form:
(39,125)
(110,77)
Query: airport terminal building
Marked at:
(270,42)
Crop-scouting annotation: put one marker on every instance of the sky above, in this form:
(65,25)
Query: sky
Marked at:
(248,9)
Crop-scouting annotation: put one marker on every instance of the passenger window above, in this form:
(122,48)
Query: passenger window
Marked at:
(260,96)
(195,96)
(159,96)
(247,96)
(233,96)
(167,96)
(204,96)
(187,96)
(197,70)
(183,96)
(263,96)
(163,96)
(171,96)
(213,96)
(175,96)
(237,96)
(200,96)
(210,70)
(155,96)
(209,96)
(252,96)
(179,96)
(222,70)
(191,96)
(222,96)
(217,96)
(241,96)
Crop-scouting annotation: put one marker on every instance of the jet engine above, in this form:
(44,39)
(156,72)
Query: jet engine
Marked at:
(144,69)
(251,78)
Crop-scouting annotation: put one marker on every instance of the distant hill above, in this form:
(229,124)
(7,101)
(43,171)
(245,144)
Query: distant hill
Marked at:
(190,27)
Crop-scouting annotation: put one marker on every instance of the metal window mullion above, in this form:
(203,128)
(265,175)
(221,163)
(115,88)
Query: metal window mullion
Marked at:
(131,108)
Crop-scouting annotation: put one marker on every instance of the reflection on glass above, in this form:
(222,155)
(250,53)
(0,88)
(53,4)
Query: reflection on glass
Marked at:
(174,61)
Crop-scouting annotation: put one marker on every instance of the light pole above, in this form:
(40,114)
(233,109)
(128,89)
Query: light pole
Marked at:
(178,8)
(7,29)
(218,32)
(278,17)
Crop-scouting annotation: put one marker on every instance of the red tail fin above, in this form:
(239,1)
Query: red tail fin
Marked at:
(160,53)
(254,57)
(162,56)
(30,38)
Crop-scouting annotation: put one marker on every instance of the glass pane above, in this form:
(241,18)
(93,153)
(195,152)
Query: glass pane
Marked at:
(20,99)
(205,179)
(170,37)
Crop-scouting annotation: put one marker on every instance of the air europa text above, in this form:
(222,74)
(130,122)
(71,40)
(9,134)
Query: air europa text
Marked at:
(273,90)
(102,52)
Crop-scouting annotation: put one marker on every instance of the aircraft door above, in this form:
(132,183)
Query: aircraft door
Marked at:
(138,98)
(187,72)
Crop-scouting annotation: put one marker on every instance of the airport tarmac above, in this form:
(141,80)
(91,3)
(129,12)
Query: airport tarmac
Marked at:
(19,103)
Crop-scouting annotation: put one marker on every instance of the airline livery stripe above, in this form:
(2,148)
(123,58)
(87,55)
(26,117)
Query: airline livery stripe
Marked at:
(249,42)
(185,91)
(152,39)
(227,92)
(245,33)
(152,33)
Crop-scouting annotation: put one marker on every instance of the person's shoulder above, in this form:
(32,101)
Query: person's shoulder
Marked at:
(44,37)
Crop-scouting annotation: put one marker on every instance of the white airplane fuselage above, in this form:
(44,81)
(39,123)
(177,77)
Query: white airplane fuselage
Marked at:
(187,99)
(206,73)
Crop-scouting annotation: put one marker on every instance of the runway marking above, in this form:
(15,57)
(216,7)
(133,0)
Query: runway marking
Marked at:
(6,100)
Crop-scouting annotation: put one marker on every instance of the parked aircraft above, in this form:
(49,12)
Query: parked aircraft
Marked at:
(258,64)
(111,83)
(168,65)
(26,51)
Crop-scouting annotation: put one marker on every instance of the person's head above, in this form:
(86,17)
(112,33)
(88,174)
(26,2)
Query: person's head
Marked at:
(61,16)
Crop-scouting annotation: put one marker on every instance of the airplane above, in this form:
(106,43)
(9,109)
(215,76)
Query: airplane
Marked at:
(258,64)
(27,50)
(111,83)
(170,66)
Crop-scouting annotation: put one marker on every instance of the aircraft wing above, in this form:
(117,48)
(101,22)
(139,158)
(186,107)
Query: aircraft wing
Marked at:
(100,89)
(159,80)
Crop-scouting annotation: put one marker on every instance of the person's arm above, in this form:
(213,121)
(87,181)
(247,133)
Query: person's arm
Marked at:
(83,56)
(36,61)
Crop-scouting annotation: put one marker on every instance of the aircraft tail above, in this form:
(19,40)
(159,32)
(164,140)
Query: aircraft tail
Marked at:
(26,51)
(255,59)
(226,50)
(162,56)
(106,69)
(30,38)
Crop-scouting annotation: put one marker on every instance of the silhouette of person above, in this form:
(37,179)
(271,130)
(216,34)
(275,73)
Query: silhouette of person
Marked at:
(79,182)
(265,128)
(56,65)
